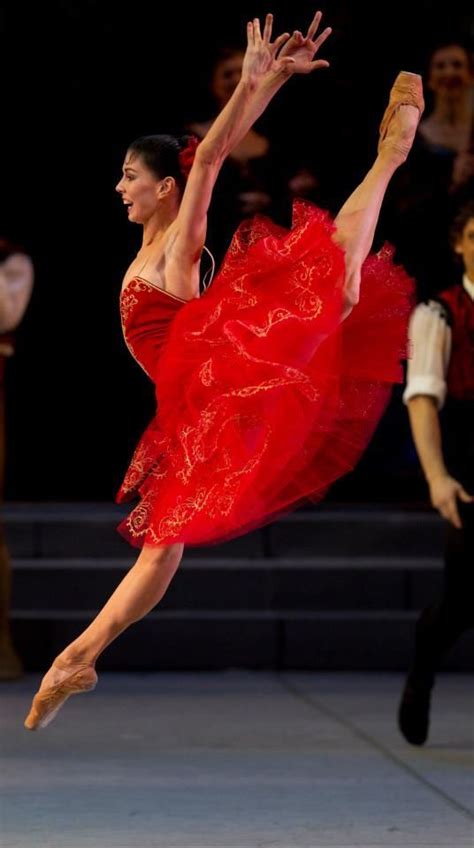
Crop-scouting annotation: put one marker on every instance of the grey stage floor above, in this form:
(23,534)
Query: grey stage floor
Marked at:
(237,760)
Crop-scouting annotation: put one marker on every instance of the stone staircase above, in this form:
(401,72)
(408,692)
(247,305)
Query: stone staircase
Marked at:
(337,587)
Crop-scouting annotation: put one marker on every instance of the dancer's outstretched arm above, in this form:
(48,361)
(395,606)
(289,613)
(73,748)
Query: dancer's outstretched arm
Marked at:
(267,66)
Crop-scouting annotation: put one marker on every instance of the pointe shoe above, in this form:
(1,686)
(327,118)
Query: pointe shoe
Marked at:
(407,90)
(47,703)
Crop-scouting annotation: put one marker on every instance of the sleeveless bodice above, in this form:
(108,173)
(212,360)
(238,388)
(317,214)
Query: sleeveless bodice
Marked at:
(146,313)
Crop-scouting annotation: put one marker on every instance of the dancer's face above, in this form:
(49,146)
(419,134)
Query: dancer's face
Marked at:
(450,73)
(139,189)
(465,248)
(225,78)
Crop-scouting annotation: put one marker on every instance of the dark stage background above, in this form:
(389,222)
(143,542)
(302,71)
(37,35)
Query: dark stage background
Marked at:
(80,80)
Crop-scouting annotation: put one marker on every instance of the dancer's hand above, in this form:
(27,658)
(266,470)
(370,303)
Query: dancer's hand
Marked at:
(303,48)
(285,56)
(260,56)
(444,492)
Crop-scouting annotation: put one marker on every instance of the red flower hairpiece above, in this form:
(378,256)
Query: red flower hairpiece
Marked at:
(186,156)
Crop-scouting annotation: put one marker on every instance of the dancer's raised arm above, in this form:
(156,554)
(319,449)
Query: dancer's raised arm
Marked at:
(267,66)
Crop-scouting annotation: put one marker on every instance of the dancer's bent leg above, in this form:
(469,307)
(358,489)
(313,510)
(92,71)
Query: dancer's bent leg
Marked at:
(73,669)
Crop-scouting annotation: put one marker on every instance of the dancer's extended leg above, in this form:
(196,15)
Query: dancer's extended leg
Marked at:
(357,220)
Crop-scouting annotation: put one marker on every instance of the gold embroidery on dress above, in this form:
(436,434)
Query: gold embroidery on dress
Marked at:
(145,461)
(205,373)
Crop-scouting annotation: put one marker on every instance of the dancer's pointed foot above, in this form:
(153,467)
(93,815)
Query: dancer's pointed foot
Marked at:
(402,116)
(61,681)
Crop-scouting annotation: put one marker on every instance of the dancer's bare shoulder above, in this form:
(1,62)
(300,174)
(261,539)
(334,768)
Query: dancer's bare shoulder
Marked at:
(160,264)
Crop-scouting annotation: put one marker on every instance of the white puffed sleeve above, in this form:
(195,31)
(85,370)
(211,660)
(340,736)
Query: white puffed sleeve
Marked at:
(430,344)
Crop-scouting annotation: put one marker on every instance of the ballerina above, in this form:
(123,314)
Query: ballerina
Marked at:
(270,384)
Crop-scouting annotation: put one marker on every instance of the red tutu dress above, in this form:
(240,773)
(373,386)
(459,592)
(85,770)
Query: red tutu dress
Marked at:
(264,397)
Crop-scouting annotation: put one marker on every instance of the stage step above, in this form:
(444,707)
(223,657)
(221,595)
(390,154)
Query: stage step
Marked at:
(320,583)
(89,530)
(333,587)
(256,639)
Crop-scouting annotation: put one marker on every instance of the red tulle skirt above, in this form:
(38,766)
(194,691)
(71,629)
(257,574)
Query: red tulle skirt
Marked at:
(264,397)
